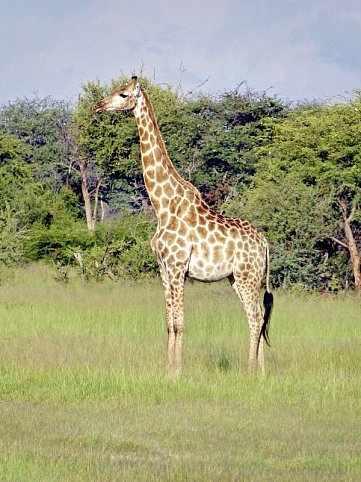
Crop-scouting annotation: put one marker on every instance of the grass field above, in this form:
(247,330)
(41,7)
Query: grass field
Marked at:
(83,396)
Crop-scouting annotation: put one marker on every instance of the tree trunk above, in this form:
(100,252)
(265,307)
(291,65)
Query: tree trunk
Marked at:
(90,219)
(355,254)
(96,199)
(83,172)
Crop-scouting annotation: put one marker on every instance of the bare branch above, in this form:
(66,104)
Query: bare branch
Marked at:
(352,214)
(341,243)
(201,84)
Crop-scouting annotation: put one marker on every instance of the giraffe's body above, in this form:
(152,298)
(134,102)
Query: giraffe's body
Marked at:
(191,238)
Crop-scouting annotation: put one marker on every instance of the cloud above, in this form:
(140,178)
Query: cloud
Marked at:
(301,49)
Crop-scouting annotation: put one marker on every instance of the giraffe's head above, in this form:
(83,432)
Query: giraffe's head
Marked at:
(124,97)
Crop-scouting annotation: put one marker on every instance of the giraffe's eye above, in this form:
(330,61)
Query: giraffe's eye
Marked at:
(123,96)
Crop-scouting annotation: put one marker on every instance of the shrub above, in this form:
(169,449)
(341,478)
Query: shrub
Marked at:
(117,249)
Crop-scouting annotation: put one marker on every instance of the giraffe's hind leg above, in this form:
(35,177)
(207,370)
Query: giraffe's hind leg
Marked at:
(250,298)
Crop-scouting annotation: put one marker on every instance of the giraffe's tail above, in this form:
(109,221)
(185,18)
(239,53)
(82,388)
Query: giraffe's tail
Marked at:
(267,303)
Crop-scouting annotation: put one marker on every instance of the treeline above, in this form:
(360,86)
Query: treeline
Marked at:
(72,190)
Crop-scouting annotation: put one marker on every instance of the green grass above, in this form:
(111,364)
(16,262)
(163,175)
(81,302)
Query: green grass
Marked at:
(84,397)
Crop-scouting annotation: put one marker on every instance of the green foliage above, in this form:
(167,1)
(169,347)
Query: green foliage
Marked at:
(35,122)
(14,176)
(11,240)
(117,249)
(120,249)
(15,172)
(309,161)
(213,142)
(321,144)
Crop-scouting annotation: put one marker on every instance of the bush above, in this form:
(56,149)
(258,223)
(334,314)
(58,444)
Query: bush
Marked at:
(11,238)
(117,249)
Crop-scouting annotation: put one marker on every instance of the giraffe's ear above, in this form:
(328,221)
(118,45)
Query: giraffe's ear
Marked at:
(137,89)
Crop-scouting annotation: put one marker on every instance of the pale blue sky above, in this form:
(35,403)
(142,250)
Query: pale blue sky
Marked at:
(296,49)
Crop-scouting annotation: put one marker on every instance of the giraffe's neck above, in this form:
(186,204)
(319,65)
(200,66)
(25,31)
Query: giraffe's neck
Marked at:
(162,181)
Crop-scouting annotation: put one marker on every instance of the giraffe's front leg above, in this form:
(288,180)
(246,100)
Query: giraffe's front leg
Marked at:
(170,331)
(172,274)
(176,277)
(169,319)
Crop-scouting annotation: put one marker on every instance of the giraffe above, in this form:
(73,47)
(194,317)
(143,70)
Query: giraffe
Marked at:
(191,238)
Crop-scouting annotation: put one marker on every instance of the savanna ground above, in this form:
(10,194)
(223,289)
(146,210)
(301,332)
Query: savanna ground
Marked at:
(83,396)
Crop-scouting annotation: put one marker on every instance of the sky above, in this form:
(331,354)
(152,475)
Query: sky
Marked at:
(294,49)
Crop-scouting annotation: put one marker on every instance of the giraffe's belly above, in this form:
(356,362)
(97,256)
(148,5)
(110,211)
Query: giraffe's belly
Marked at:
(206,270)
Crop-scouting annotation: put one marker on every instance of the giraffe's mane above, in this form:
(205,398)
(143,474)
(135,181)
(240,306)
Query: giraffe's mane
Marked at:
(163,149)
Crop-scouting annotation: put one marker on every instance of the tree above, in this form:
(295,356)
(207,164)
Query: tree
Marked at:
(14,171)
(28,206)
(14,175)
(320,147)
(226,129)
(35,122)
